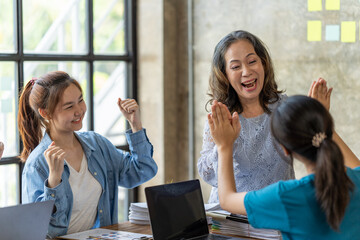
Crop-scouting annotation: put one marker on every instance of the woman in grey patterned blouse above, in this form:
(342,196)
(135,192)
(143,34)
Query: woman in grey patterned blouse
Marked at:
(242,77)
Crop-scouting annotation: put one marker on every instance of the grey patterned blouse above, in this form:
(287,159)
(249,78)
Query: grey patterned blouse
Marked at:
(258,159)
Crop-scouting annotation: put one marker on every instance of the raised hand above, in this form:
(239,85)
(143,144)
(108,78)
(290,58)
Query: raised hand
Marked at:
(224,128)
(1,149)
(131,111)
(55,157)
(319,91)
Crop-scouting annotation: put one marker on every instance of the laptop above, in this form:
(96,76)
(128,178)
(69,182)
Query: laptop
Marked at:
(177,212)
(26,221)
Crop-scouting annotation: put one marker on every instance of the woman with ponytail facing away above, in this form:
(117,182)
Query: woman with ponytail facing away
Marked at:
(322,205)
(81,171)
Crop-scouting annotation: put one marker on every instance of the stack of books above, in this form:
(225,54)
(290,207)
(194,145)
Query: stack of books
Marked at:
(226,223)
(139,214)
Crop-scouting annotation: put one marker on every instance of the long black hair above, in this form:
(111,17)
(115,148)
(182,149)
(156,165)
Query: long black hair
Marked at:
(295,124)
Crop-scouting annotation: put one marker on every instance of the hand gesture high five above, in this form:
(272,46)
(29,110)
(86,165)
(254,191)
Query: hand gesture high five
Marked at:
(321,92)
(224,128)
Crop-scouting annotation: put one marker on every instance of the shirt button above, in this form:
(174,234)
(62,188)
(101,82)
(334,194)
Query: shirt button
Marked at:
(53,195)
(100,211)
(95,173)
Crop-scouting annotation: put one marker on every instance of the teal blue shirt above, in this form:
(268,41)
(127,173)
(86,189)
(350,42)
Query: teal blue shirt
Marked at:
(291,207)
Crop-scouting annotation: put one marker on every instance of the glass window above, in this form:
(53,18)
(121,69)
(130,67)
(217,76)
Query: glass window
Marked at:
(7,30)
(85,38)
(109,27)
(54,26)
(8,111)
(109,85)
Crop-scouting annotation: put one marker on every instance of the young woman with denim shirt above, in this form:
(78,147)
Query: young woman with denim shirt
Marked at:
(81,171)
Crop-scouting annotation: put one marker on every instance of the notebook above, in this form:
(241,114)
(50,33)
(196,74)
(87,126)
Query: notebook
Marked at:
(26,221)
(177,212)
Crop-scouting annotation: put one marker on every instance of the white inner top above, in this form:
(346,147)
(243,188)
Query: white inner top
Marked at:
(86,193)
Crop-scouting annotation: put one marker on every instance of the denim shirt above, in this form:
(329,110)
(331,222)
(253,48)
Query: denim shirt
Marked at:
(111,167)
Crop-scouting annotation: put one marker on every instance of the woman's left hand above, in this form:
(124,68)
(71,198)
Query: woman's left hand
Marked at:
(319,91)
(131,111)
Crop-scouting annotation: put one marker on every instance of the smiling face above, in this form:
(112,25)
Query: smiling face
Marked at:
(244,70)
(69,112)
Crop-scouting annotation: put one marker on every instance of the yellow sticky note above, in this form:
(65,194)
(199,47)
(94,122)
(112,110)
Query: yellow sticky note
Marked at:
(314,5)
(314,31)
(348,31)
(332,5)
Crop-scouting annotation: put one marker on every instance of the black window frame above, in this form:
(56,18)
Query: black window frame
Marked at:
(129,57)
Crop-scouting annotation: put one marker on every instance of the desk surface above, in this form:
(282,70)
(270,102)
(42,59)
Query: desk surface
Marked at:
(130,227)
(144,229)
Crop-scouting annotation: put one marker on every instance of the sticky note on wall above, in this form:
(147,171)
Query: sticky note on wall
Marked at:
(332,33)
(314,5)
(314,31)
(348,31)
(332,5)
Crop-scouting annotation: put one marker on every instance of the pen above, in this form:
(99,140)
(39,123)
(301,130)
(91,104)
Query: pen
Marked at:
(237,219)
(229,217)
(96,238)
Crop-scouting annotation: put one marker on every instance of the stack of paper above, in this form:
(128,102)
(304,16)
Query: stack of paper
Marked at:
(229,224)
(139,214)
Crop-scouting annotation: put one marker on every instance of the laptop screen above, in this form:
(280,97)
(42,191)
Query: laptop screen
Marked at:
(176,210)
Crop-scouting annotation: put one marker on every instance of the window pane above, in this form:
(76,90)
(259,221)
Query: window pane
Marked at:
(77,70)
(109,85)
(109,27)
(7,30)
(123,210)
(8,91)
(54,26)
(9,184)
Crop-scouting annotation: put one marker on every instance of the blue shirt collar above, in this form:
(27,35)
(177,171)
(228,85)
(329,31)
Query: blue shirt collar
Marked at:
(85,145)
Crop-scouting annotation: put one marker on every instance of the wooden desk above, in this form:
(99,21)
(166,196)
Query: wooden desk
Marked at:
(130,227)
(144,229)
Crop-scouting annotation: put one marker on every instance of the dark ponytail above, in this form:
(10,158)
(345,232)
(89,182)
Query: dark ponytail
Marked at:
(332,183)
(295,124)
(44,93)
(28,122)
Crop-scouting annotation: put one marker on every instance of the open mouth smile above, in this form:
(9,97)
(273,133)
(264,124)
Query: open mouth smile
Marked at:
(249,84)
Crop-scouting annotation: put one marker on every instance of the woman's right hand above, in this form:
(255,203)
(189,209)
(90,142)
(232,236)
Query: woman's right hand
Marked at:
(224,128)
(55,157)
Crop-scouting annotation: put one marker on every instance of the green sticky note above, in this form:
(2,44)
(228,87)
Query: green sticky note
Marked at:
(348,31)
(314,5)
(332,5)
(314,31)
